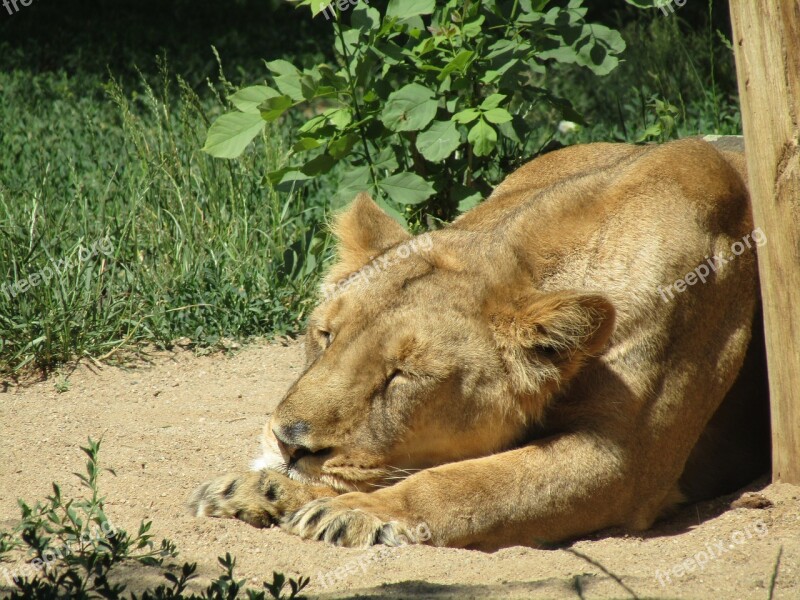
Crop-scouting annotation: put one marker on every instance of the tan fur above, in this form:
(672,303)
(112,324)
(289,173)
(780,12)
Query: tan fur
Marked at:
(521,381)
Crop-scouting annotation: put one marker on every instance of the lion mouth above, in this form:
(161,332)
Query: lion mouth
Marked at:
(303,452)
(308,467)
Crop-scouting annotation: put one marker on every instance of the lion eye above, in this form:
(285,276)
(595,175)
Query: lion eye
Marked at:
(394,376)
(548,352)
(326,337)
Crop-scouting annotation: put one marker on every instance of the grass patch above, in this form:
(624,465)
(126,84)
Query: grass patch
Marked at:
(148,239)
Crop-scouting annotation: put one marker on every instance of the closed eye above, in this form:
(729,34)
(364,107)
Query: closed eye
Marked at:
(395,376)
(325,338)
(548,352)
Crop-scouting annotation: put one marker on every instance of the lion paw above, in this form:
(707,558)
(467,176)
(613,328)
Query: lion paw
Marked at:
(341,522)
(260,498)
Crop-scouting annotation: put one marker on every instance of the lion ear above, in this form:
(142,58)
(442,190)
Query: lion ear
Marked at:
(364,231)
(546,337)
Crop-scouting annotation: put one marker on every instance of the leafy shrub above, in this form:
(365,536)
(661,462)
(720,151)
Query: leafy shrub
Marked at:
(73,548)
(431,102)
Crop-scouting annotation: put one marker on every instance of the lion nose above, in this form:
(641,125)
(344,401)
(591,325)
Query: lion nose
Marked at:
(288,438)
(292,452)
(286,443)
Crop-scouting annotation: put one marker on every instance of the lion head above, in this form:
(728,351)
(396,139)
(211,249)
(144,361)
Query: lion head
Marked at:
(425,350)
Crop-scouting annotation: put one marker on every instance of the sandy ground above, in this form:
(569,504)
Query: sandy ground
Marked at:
(169,425)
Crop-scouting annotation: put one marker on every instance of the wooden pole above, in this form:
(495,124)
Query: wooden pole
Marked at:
(767,46)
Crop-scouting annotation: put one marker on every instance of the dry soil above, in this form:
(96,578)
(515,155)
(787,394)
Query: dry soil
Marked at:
(172,423)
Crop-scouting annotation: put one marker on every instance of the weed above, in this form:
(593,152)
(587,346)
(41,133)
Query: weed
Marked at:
(62,384)
(74,550)
(201,249)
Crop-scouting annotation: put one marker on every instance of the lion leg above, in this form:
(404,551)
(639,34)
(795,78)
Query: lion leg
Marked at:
(260,498)
(534,495)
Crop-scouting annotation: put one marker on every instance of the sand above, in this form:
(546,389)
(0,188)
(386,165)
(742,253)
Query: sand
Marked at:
(172,422)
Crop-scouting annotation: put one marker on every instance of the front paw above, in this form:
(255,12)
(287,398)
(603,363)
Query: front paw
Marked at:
(261,498)
(351,520)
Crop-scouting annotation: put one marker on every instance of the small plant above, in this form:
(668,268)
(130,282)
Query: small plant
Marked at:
(431,102)
(663,127)
(225,587)
(279,581)
(73,547)
(62,384)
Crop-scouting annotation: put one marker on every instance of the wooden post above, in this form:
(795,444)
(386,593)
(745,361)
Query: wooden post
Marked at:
(767,46)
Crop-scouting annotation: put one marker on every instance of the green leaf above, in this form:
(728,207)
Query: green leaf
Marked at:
(339,117)
(473,28)
(317,6)
(231,133)
(483,138)
(341,147)
(470,199)
(274,177)
(459,63)
(439,141)
(386,159)
(353,182)
(497,116)
(304,144)
(410,108)
(287,79)
(283,67)
(291,180)
(249,99)
(646,3)
(272,108)
(652,132)
(405,9)
(568,111)
(365,18)
(407,188)
(314,125)
(492,101)
(318,166)
(391,211)
(492,75)
(467,115)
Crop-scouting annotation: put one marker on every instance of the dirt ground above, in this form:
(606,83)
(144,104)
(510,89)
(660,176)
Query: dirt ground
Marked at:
(173,423)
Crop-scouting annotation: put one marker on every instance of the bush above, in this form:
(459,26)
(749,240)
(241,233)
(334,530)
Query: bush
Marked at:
(73,549)
(430,103)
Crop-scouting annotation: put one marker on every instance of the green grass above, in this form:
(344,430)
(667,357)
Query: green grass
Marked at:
(198,247)
(96,153)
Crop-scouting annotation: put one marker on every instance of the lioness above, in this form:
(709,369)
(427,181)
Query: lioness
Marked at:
(538,373)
